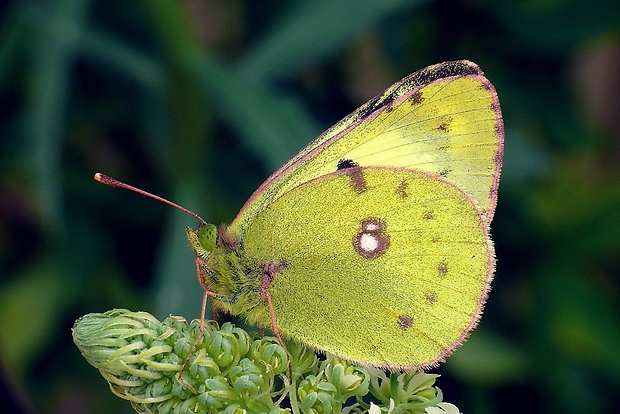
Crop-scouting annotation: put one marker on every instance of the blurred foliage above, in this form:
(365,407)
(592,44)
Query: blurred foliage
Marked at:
(199,101)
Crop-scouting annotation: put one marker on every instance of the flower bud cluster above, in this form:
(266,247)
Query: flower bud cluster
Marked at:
(141,359)
(232,372)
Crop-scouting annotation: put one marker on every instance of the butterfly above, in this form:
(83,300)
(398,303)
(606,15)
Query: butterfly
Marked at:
(372,243)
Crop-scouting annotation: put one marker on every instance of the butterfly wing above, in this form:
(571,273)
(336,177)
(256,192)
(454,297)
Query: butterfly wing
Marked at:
(444,119)
(382,266)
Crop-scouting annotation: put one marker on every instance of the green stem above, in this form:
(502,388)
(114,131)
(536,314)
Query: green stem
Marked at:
(292,394)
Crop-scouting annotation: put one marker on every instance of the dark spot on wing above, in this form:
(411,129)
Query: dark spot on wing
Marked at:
(442,268)
(402,188)
(356,174)
(444,173)
(405,322)
(416,98)
(445,125)
(346,163)
(431,298)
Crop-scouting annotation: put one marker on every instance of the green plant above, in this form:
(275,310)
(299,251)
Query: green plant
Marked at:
(233,371)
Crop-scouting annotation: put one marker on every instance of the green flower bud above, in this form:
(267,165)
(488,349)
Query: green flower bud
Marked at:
(238,336)
(271,354)
(349,380)
(304,360)
(247,378)
(410,391)
(317,395)
(223,347)
(217,393)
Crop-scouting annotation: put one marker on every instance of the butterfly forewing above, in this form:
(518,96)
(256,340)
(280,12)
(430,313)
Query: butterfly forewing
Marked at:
(444,119)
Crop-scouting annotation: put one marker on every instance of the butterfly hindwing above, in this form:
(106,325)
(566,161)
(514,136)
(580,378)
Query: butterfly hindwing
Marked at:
(383,266)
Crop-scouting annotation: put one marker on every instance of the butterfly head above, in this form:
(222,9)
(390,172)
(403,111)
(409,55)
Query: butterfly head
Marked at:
(203,240)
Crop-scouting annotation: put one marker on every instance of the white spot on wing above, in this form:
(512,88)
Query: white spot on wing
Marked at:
(368,242)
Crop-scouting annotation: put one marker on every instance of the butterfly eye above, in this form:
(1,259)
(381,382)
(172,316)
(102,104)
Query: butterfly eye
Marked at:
(207,236)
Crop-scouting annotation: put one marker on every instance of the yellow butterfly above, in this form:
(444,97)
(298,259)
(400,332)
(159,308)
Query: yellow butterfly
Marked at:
(372,243)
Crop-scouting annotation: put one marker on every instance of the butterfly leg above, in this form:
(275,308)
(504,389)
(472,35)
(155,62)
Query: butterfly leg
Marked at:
(201,269)
(269,270)
(274,327)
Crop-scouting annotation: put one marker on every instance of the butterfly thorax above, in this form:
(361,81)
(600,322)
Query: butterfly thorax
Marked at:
(234,281)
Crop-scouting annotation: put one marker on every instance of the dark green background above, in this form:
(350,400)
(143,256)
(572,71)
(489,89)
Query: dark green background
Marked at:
(199,101)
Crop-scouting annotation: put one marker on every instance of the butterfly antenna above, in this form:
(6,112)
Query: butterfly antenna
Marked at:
(113,182)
